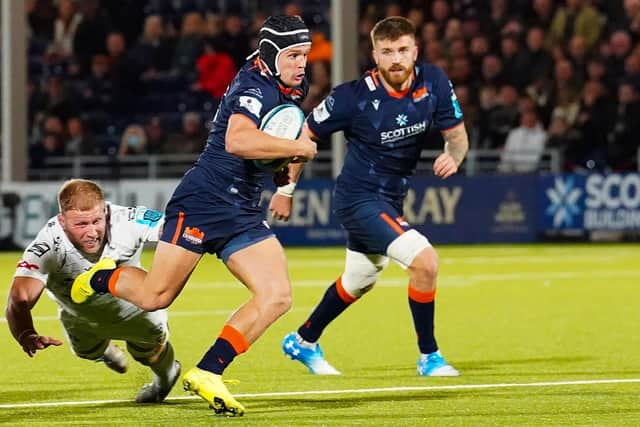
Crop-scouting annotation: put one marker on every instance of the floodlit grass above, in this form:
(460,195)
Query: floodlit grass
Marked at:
(532,328)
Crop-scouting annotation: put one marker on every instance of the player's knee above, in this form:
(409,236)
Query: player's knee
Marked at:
(361,273)
(157,302)
(93,354)
(282,303)
(145,355)
(277,303)
(357,285)
(425,265)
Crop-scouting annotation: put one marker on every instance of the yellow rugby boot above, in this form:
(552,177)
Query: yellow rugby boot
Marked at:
(211,388)
(81,288)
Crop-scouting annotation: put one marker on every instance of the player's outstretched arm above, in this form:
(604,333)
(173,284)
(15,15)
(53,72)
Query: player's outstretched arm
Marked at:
(456,146)
(24,293)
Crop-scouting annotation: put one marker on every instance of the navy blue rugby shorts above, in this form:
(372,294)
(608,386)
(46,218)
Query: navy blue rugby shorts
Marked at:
(199,222)
(371,226)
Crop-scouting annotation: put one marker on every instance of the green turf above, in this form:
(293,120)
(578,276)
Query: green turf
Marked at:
(505,315)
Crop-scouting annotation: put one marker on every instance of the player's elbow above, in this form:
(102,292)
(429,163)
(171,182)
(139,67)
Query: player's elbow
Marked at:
(233,146)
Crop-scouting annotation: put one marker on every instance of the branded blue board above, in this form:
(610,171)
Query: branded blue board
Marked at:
(456,210)
(589,202)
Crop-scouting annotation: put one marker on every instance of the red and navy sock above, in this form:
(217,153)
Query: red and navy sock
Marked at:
(422,306)
(229,344)
(104,281)
(334,302)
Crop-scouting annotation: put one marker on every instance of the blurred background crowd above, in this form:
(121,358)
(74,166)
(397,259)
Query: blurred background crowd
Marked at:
(120,77)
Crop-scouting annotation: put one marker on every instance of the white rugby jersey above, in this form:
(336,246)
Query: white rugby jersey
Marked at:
(54,260)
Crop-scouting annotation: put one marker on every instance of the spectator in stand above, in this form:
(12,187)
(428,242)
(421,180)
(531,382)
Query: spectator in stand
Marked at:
(578,54)
(53,124)
(541,14)
(620,46)
(416,15)
(515,66)
(478,48)
(576,17)
(440,14)
(429,32)
(524,145)
(153,51)
(632,70)
(216,69)
(498,17)
(123,72)
(191,138)
(40,17)
(64,30)
(97,90)
(491,70)
(540,62)
(594,122)
(319,86)
(133,141)
(433,51)
(58,99)
(597,71)
(321,48)
(564,78)
(157,141)
(624,138)
(235,40)
(502,118)
(632,8)
(460,71)
(190,46)
(90,34)
(51,145)
(471,24)
(566,107)
(80,142)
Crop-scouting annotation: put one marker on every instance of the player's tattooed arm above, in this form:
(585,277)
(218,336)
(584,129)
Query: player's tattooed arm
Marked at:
(456,142)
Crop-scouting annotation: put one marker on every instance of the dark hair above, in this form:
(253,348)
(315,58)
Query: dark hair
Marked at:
(392,28)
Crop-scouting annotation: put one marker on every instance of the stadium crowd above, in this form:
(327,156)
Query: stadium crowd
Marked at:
(122,77)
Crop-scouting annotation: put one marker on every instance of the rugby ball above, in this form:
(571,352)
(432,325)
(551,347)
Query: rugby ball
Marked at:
(283,121)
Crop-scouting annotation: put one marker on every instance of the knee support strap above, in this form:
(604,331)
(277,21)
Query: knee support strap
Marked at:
(361,272)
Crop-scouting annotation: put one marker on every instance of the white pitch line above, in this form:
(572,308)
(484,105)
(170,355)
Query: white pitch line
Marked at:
(343,391)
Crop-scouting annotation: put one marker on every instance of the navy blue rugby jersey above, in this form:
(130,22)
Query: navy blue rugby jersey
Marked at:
(252,93)
(384,130)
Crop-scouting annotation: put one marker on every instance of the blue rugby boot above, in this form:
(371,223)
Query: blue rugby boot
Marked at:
(310,355)
(434,365)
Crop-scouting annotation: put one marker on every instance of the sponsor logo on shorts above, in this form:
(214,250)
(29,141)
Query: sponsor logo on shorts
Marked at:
(193,235)
(28,266)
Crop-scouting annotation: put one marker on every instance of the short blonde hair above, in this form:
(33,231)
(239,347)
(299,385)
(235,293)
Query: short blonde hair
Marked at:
(79,194)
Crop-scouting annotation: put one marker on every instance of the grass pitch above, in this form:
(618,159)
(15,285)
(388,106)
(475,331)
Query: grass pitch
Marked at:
(543,335)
